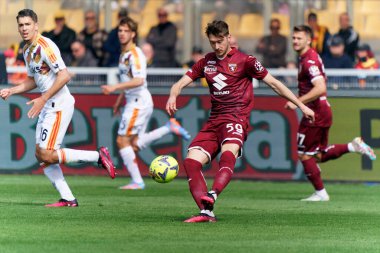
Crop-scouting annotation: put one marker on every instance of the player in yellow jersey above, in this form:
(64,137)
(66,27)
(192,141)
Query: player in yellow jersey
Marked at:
(54,108)
(139,107)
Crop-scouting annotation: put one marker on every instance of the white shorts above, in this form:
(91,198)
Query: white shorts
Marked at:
(51,127)
(134,120)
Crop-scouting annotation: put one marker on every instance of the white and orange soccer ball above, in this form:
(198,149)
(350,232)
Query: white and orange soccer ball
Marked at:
(164,168)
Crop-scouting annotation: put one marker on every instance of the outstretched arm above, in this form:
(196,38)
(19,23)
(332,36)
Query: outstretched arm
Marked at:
(27,85)
(283,91)
(171,104)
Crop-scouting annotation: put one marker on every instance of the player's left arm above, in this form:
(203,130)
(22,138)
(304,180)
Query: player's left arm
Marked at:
(283,91)
(38,103)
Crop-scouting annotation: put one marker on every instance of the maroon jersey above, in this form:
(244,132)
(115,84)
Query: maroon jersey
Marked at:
(311,68)
(229,81)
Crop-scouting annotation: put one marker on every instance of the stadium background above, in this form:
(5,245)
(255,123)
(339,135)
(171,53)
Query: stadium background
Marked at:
(270,151)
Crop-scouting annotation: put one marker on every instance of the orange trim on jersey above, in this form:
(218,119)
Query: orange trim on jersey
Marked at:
(136,57)
(49,51)
(132,122)
(54,131)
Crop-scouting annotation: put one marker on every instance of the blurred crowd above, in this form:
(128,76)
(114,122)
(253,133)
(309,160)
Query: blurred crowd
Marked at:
(342,50)
(95,47)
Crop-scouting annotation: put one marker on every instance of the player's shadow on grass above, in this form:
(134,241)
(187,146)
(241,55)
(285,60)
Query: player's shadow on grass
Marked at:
(8,203)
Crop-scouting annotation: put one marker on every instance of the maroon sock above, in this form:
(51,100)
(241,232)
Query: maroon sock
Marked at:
(313,173)
(334,151)
(226,169)
(197,182)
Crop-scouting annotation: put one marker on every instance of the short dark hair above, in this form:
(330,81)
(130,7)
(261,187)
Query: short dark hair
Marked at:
(312,15)
(131,24)
(27,13)
(217,28)
(304,28)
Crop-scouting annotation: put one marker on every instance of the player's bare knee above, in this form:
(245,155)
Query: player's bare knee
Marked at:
(45,156)
(198,155)
(123,141)
(120,142)
(303,157)
(318,157)
(134,145)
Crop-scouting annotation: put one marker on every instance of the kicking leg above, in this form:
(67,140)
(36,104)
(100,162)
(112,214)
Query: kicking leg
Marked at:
(67,156)
(223,176)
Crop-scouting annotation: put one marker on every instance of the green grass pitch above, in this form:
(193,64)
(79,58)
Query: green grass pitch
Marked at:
(253,217)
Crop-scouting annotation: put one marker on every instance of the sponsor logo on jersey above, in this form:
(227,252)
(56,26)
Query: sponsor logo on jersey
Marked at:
(259,67)
(218,93)
(210,69)
(232,67)
(43,69)
(219,81)
(211,62)
(314,70)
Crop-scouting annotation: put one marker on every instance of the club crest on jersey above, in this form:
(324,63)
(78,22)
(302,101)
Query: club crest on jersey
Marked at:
(210,69)
(232,67)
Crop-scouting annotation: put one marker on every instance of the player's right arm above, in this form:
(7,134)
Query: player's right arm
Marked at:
(191,75)
(27,85)
(171,104)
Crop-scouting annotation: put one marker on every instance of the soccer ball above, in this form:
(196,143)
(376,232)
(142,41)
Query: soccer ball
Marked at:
(163,169)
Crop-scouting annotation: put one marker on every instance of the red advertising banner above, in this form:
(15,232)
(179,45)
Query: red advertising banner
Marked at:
(269,152)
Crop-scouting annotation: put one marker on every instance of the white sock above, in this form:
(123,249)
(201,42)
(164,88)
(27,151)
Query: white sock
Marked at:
(322,192)
(55,175)
(213,193)
(67,155)
(351,147)
(208,212)
(147,138)
(129,159)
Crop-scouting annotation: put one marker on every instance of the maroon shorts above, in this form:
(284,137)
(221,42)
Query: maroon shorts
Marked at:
(312,140)
(218,131)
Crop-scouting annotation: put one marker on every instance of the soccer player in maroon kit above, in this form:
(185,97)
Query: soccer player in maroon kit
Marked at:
(229,74)
(312,137)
